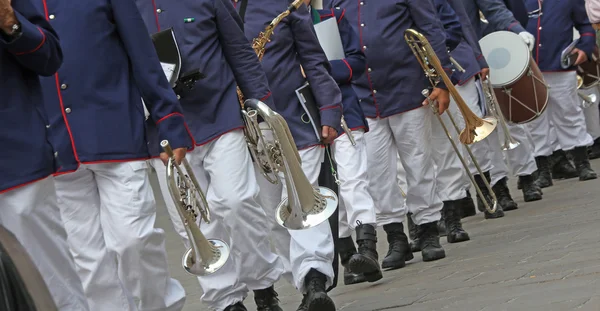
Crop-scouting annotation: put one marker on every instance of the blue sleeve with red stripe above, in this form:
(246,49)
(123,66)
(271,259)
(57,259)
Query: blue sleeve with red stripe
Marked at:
(37,48)
(587,41)
(353,66)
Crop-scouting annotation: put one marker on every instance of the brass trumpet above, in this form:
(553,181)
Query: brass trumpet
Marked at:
(434,72)
(204,256)
(492,105)
(305,205)
(587,100)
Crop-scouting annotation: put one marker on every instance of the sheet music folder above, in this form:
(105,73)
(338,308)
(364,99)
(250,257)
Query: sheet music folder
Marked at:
(309,104)
(168,54)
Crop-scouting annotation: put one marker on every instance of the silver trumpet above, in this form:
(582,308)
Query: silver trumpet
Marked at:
(492,105)
(305,205)
(204,256)
(348,131)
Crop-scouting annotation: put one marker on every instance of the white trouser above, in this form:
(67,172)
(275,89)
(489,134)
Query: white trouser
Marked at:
(592,114)
(32,215)
(302,250)
(520,159)
(401,178)
(356,203)
(109,213)
(564,114)
(409,135)
(225,172)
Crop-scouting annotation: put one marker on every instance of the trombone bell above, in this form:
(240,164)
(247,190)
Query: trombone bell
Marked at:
(193,267)
(482,131)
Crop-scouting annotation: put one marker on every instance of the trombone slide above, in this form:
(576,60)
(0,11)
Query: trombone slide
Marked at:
(348,132)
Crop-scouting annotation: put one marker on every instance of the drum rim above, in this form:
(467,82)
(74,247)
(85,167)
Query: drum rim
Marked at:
(522,44)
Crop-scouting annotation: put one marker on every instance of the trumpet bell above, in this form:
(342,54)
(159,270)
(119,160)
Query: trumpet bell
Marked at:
(197,268)
(296,219)
(482,131)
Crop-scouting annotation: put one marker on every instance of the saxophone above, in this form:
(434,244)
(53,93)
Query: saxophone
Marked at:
(259,43)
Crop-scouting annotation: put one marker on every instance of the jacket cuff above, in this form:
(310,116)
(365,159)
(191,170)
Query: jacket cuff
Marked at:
(482,62)
(586,43)
(516,27)
(341,71)
(174,129)
(331,116)
(32,38)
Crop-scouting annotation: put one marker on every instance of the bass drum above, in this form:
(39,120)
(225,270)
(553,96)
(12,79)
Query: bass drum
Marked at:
(21,285)
(590,70)
(518,83)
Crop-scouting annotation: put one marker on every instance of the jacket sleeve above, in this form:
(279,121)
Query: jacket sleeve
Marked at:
(450,22)
(354,65)
(316,67)
(238,51)
(469,33)
(424,15)
(587,40)
(499,16)
(161,101)
(37,48)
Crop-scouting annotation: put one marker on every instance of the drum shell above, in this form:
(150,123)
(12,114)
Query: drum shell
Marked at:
(590,72)
(530,96)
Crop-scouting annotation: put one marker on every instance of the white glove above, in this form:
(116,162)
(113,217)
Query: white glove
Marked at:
(528,38)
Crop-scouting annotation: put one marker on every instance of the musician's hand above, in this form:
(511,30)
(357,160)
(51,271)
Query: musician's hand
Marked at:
(581,57)
(484,73)
(179,154)
(441,97)
(7,16)
(328,134)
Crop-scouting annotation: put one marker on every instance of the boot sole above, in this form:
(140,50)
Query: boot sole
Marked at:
(588,178)
(398,264)
(436,255)
(458,238)
(493,216)
(321,303)
(532,198)
(362,264)
(355,279)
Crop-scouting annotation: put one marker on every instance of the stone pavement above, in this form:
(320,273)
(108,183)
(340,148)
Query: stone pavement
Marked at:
(543,256)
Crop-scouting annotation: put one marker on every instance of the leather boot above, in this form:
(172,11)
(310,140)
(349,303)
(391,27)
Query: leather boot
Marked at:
(412,233)
(503,196)
(582,164)
(467,206)
(594,150)
(266,299)
(543,177)
(451,212)
(346,250)
(316,298)
(399,251)
(530,190)
(429,239)
(239,306)
(442,226)
(366,261)
(484,190)
(561,166)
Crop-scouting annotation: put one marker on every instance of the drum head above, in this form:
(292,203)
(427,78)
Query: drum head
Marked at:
(507,55)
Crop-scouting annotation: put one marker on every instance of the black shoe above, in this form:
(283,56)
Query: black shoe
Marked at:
(316,298)
(582,164)
(488,198)
(530,190)
(366,261)
(399,250)
(503,196)
(594,150)
(543,177)
(561,166)
(451,216)
(266,300)
(467,206)
(429,239)
(346,250)
(441,224)
(237,307)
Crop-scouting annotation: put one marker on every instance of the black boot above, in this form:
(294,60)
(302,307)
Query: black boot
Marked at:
(543,177)
(530,190)
(442,226)
(266,300)
(412,233)
(237,307)
(561,166)
(582,164)
(503,196)
(399,251)
(451,216)
(429,239)
(346,250)
(594,150)
(467,206)
(366,261)
(316,298)
(484,190)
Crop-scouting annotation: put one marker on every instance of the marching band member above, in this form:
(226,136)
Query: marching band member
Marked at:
(96,123)
(294,50)
(357,209)
(390,95)
(29,47)
(563,111)
(210,37)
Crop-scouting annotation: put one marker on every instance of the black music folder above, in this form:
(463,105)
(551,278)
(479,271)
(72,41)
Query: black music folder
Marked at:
(311,110)
(168,54)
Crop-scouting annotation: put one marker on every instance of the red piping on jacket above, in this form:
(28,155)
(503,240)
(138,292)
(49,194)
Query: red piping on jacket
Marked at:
(156,15)
(367,65)
(37,47)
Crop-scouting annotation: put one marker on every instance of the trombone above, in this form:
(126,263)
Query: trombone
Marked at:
(493,106)
(473,124)
(204,256)
(587,100)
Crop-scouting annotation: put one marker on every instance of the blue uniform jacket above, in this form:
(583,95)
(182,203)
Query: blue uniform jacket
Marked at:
(28,156)
(496,13)
(518,10)
(553,30)
(295,44)
(344,71)
(394,79)
(94,101)
(213,41)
